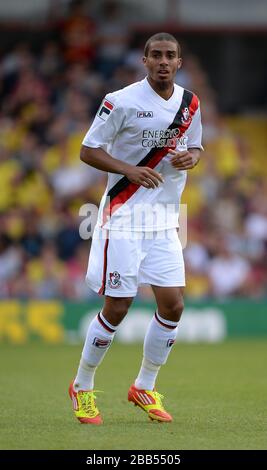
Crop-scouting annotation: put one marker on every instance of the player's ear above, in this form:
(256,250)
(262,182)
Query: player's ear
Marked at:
(144,59)
(180,62)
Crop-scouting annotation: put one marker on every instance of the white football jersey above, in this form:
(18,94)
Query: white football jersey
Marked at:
(138,126)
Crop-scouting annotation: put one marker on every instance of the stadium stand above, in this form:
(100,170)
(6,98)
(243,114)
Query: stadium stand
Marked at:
(49,95)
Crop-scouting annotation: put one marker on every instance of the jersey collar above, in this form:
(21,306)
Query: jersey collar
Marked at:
(165,103)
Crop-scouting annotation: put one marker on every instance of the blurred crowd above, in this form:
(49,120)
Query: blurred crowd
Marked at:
(48,100)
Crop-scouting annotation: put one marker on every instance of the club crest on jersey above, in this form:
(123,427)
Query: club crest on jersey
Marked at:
(144,114)
(114,280)
(186,119)
(101,343)
(105,109)
(170,342)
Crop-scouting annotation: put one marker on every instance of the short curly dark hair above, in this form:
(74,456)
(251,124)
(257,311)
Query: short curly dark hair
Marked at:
(161,37)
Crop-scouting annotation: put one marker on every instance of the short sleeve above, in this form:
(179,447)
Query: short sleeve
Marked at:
(106,124)
(194,132)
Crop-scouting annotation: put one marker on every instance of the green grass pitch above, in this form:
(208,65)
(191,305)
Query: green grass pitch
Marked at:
(217,394)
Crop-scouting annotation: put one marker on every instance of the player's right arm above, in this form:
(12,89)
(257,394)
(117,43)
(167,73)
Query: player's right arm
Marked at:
(100,159)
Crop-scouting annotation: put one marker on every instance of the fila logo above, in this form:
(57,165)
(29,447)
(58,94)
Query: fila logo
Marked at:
(170,342)
(144,114)
(105,110)
(101,343)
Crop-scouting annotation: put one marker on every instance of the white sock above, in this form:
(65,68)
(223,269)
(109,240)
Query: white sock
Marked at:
(147,375)
(160,337)
(98,340)
(85,376)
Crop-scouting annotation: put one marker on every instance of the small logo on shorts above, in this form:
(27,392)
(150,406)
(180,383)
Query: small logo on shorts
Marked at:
(101,343)
(114,280)
(170,342)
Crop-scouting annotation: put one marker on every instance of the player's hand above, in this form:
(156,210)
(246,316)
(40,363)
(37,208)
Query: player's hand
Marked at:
(184,160)
(144,176)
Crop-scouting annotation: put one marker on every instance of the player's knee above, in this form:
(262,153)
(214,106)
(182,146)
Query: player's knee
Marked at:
(115,309)
(174,310)
(179,308)
(121,307)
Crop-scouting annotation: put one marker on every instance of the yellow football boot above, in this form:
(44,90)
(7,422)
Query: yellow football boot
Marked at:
(150,402)
(84,406)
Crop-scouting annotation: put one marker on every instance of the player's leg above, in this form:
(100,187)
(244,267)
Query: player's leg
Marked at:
(159,339)
(99,337)
(160,335)
(112,272)
(163,266)
(170,303)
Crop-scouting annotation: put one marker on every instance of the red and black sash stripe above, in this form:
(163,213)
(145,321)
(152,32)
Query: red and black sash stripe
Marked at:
(105,262)
(124,189)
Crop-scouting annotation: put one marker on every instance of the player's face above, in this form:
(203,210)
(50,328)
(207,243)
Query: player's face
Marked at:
(162,61)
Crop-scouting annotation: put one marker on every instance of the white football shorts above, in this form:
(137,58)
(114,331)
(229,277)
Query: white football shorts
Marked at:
(121,261)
